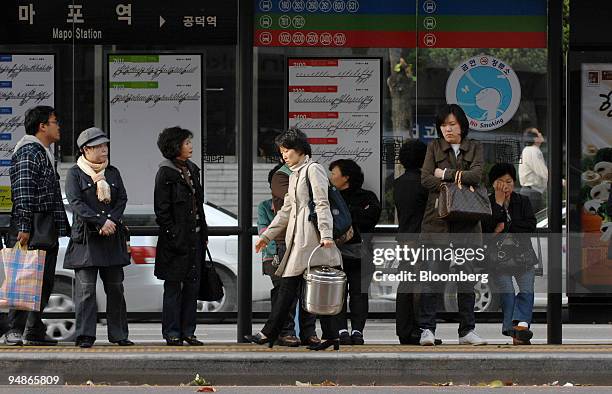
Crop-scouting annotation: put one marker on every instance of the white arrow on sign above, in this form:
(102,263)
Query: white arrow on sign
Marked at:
(161,21)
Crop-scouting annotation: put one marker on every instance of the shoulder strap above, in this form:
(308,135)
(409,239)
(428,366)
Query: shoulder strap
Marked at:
(308,183)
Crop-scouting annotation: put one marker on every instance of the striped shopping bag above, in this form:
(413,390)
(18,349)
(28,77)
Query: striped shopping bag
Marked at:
(23,278)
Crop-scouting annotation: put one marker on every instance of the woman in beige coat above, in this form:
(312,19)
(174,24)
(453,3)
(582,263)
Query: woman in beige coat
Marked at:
(301,238)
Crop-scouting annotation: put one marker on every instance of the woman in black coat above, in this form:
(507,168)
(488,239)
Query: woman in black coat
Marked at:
(512,216)
(179,211)
(98,239)
(347,176)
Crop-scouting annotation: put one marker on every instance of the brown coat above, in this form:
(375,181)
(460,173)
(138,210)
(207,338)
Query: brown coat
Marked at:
(440,154)
(280,187)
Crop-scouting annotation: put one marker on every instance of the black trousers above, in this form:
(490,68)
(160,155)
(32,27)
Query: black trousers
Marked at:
(432,296)
(4,326)
(357,298)
(290,288)
(180,302)
(87,307)
(28,323)
(307,322)
(407,304)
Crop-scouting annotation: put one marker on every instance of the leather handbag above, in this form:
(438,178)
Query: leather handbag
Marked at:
(44,234)
(457,202)
(211,286)
(509,257)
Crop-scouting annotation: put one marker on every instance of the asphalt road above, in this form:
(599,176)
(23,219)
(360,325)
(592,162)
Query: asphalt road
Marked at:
(379,332)
(305,390)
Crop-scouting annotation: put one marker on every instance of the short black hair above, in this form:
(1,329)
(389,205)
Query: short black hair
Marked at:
(500,169)
(273,171)
(412,154)
(452,109)
(294,139)
(350,169)
(170,140)
(529,136)
(37,115)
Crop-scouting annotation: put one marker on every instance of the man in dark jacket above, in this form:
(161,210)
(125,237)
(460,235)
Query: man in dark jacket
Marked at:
(410,198)
(35,189)
(347,176)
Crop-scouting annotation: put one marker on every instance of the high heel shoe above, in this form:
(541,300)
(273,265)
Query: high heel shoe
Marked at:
(259,339)
(325,344)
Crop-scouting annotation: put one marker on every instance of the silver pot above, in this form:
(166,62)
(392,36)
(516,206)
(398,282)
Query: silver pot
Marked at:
(323,290)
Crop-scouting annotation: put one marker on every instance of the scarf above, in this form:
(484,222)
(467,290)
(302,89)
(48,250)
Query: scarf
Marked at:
(182,165)
(96,172)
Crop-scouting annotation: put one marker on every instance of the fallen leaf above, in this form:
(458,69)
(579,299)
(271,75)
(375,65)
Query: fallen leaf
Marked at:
(496,384)
(206,389)
(328,383)
(568,384)
(302,384)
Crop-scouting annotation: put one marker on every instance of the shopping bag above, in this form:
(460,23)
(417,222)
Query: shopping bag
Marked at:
(211,286)
(23,278)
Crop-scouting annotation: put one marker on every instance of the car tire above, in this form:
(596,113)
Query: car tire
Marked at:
(486,299)
(230,296)
(61,300)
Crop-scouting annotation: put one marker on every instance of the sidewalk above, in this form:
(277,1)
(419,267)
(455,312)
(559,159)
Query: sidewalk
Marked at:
(247,364)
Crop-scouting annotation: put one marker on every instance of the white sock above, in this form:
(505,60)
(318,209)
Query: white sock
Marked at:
(356,332)
(523,324)
(343,331)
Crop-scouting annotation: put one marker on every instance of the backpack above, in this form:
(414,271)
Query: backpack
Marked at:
(342,222)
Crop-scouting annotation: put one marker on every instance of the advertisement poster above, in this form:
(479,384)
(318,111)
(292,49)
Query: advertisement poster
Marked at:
(26,80)
(596,177)
(337,103)
(147,93)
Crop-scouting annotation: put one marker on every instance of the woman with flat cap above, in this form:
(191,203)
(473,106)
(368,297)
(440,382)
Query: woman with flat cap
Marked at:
(98,241)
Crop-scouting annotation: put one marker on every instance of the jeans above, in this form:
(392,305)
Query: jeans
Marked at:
(180,304)
(87,307)
(290,288)
(431,297)
(30,324)
(515,307)
(357,299)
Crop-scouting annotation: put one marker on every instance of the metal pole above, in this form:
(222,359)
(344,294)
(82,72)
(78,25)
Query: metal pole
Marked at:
(245,167)
(556,134)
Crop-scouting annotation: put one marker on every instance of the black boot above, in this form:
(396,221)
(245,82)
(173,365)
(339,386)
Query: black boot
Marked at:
(259,339)
(325,344)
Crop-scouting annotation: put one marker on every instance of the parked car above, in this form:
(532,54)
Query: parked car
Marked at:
(143,291)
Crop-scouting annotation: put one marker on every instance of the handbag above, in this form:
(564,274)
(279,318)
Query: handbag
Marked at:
(459,203)
(508,256)
(211,286)
(23,278)
(43,234)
